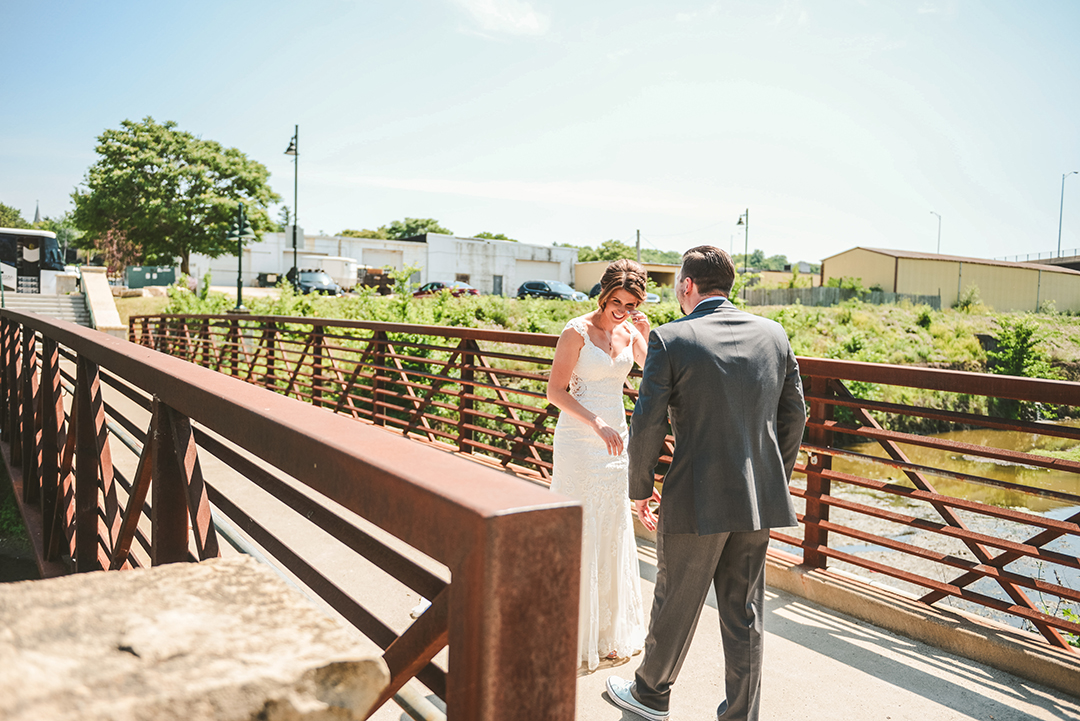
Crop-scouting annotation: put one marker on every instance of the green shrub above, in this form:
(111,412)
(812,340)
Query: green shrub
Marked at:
(969,299)
(925,317)
(1020,353)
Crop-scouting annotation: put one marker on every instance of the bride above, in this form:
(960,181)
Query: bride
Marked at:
(594,354)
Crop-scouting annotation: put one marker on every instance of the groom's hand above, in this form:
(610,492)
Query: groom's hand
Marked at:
(645,514)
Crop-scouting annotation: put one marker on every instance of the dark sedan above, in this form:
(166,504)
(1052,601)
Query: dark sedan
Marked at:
(315,281)
(546,289)
(456,289)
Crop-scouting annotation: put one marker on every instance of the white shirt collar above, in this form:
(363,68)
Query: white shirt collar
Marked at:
(706,299)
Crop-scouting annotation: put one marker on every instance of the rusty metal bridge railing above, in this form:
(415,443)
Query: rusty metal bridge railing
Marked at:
(481,392)
(512,547)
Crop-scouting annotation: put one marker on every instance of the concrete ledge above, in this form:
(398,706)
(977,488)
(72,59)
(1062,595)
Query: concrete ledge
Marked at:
(99,301)
(963,634)
(225,639)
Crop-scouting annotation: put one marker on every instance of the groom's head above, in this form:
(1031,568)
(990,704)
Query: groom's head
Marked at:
(706,271)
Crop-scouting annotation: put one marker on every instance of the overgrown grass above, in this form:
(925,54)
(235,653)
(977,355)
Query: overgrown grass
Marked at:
(903,334)
(140,305)
(11,523)
(1069,454)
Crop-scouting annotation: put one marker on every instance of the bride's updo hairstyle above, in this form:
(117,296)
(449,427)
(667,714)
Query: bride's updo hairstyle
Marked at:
(626,274)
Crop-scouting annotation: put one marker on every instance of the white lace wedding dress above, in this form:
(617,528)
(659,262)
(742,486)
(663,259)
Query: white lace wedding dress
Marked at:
(612,617)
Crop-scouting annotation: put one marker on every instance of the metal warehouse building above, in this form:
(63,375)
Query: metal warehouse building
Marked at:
(1002,286)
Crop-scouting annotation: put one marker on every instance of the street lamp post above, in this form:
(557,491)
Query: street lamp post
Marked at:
(938,231)
(294,150)
(746,238)
(1061,211)
(240,232)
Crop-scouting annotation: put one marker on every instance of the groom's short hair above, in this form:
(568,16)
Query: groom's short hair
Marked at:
(710,268)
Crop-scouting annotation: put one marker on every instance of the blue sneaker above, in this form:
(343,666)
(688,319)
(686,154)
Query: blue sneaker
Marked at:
(619,690)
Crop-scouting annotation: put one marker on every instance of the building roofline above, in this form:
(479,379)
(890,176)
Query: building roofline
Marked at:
(911,255)
(644,263)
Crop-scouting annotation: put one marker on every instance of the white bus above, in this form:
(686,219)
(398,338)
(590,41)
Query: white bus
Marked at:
(30,260)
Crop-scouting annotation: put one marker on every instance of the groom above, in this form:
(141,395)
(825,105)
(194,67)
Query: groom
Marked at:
(730,385)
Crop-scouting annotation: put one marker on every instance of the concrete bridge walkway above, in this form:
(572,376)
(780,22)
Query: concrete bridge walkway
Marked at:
(820,665)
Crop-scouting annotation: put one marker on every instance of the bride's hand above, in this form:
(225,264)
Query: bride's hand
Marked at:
(611,437)
(641,322)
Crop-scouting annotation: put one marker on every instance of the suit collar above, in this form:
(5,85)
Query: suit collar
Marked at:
(708,304)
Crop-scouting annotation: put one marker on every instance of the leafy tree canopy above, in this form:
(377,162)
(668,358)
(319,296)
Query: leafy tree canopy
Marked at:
(758,261)
(410,227)
(11,217)
(611,250)
(493,236)
(365,233)
(64,227)
(169,193)
(652,255)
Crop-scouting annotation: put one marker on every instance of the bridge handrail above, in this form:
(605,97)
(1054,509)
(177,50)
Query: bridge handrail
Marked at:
(513,548)
(441,385)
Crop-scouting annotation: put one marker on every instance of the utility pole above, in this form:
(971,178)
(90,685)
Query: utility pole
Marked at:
(639,246)
(1061,211)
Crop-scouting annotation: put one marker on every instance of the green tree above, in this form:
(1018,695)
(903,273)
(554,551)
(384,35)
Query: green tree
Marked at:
(1020,352)
(410,227)
(169,193)
(651,255)
(11,217)
(775,262)
(67,235)
(284,219)
(493,236)
(365,233)
(755,260)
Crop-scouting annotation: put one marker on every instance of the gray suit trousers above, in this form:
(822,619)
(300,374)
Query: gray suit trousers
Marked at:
(734,563)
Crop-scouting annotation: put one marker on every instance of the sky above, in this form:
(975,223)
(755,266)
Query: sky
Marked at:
(832,124)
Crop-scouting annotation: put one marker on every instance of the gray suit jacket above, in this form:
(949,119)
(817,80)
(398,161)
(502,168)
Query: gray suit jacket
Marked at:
(730,383)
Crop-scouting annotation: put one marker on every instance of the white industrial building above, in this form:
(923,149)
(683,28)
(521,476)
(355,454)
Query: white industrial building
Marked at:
(493,266)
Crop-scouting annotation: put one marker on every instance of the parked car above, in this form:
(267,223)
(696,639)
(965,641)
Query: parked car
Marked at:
(579,296)
(545,289)
(456,288)
(315,281)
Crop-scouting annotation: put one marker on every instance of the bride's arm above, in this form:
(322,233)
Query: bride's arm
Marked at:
(562,367)
(640,321)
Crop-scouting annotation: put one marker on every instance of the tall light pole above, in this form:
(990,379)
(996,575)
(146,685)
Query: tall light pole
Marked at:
(294,150)
(938,231)
(241,231)
(746,238)
(1061,211)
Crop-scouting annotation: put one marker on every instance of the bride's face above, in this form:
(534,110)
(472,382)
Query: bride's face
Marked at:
(620,306)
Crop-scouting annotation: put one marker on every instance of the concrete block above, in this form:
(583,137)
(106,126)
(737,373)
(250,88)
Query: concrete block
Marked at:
(224,639)
(100,302)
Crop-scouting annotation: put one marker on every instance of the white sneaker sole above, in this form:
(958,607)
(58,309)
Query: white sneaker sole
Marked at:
(633,707)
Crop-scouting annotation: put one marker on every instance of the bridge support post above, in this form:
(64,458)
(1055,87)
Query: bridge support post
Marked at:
(814,535)
(468,375)
(511,648)
(31,426)
(168,506)
(52,432)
